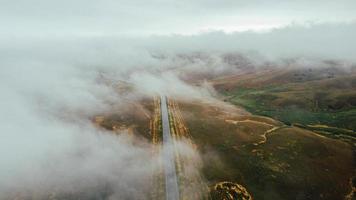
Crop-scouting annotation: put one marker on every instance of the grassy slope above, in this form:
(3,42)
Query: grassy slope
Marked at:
(329,101)
(261,102)
(293,164)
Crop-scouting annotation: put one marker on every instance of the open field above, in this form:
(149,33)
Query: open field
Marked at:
(293,142)
(270,159)
(243,156)
(326,97)
(191,181)
(136,118)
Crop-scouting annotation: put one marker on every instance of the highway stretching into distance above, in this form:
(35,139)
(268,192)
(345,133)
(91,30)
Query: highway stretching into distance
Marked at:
(172,190)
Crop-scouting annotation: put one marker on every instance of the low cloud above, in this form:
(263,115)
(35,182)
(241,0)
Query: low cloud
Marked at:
(51,87)
(313,40)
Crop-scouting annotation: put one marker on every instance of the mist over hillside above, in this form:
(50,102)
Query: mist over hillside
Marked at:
(54,83)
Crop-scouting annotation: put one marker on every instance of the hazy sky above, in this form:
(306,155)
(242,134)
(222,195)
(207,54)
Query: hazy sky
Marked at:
(142,17)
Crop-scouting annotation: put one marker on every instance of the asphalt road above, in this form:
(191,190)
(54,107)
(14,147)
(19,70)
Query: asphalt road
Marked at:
(172,190)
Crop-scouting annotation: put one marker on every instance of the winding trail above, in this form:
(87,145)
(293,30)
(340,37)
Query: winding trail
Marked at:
(172,190)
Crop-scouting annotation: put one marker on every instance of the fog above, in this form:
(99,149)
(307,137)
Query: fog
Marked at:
(137,17)
(50,91)
(52,86)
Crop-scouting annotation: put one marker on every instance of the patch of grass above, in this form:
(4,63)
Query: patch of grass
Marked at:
(300,109)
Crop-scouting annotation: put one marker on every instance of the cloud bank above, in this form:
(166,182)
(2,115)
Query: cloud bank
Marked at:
(51,87)
(41,17)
